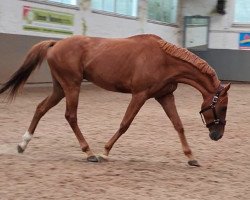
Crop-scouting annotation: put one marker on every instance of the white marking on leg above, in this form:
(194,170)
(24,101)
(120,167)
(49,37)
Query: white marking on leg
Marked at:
(26,138)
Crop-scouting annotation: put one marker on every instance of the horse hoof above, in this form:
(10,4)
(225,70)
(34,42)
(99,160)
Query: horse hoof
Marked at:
(92,159)
(102,158)
(20,149)
(194,163)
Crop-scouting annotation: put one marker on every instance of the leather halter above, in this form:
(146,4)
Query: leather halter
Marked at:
(216,120)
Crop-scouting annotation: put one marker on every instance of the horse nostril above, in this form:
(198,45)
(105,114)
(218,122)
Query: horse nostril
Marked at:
(220,136)
(215,136)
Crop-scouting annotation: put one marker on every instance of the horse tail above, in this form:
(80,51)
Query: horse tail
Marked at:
(33,59)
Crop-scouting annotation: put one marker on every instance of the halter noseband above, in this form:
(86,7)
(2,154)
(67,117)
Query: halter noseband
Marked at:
(217,120)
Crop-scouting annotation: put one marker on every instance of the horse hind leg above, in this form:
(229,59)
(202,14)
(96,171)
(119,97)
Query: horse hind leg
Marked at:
(41,110)
(168,104)
(72,98)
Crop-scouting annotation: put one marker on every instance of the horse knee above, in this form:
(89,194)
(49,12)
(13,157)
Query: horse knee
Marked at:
(71,118)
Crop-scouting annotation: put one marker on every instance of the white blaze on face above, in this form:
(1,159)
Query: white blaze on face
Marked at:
(26,138)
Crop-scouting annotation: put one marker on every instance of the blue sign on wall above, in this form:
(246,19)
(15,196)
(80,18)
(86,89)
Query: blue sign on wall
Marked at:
(244,42)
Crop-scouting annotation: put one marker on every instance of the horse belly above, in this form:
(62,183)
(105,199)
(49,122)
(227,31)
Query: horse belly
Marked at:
(112,81)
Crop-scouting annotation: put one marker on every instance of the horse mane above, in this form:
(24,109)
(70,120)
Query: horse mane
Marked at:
(191,58)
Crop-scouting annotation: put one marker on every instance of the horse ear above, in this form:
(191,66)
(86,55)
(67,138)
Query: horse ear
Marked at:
(225,89)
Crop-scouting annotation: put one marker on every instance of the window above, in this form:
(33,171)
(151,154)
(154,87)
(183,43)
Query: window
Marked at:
(69,2)
(123,7)
(196,29)
(162,10)
(241,12)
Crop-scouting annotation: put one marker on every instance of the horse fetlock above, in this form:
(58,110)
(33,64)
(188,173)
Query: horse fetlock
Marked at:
(187,152)
(27,136)
(26,139)
(107,149)
(106,152)
(86,149)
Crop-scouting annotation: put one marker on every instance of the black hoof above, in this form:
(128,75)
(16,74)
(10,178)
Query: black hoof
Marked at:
(92,159)
(194,163)
(19,149)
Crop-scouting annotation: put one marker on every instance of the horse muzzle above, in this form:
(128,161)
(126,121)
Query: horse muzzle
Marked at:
(214,135)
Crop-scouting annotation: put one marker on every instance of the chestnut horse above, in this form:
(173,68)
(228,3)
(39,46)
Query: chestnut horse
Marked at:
(144,65)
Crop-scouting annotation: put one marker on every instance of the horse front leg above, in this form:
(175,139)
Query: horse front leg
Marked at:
(135,105)
(168,104)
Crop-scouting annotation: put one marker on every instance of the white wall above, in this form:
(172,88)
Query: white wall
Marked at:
(223,34)
(97,24)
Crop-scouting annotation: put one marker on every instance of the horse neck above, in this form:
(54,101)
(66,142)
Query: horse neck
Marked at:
(203,82)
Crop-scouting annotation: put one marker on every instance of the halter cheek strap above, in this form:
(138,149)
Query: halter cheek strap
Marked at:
(216,120)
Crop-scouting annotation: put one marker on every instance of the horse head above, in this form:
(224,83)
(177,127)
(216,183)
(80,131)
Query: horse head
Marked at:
(213,112)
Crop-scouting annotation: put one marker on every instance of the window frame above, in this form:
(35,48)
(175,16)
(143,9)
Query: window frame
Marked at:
(187,25)
(57,4)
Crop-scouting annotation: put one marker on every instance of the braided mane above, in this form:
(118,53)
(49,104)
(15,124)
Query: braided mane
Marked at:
(191,58)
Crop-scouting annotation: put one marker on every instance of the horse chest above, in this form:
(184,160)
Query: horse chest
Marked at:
(167,89)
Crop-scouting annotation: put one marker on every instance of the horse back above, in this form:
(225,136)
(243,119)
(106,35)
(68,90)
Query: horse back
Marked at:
(123,65)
